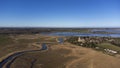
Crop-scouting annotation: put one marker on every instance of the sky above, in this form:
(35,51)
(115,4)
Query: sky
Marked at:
(59,13)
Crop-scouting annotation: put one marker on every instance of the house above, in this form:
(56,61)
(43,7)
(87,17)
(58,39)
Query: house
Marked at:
(110,51)
(81,40)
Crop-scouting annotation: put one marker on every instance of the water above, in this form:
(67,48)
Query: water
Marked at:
(61,40)
(44,47)
(82,34)
(15,55)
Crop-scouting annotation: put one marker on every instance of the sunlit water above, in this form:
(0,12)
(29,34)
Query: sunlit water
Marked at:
(82,34)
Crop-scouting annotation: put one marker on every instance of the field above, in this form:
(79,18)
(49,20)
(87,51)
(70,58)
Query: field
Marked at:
(57,55)
(109,46)
(66,56)
(11,44)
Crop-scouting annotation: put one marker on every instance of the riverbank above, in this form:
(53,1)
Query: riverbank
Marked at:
(58,55)
(12,57)
(66,56)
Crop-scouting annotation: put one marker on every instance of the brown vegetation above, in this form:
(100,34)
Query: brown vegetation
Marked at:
(66,56)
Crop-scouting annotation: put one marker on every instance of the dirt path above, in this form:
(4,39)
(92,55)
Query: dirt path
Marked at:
(88,58)
(91,64)
(85,57)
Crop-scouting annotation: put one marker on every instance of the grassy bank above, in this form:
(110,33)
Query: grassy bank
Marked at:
(109,46)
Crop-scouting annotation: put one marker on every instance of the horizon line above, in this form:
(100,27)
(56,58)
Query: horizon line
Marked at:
(49,27)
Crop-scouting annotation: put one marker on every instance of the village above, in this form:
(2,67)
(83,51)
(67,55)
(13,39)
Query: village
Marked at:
(96,43)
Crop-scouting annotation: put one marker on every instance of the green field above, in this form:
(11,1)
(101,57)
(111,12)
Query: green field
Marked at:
(109,46)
